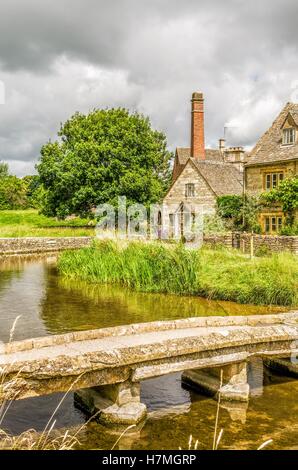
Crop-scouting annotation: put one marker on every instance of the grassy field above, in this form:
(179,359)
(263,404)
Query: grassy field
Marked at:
(216,274)
(29,223)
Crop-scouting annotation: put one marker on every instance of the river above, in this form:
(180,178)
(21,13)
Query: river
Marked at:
(48,304)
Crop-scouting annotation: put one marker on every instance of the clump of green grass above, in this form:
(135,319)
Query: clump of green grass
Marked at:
(29,223)
(145,267)
(220,274)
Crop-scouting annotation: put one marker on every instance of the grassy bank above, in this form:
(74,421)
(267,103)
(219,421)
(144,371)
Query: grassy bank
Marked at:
(28,223)
(216,274)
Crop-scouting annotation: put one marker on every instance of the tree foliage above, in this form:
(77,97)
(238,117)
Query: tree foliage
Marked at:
(3,169)
(17,193)
(239,212)
(34,191)
(286,195)
(100,156)
(229,206)
(13,194)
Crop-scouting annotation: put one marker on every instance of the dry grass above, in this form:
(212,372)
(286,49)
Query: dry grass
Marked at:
(49,438)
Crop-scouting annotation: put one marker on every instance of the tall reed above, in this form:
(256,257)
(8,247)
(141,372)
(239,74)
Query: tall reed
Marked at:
(220,274)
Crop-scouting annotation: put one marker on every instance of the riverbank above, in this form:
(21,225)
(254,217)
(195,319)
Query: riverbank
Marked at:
(29,223)
(218,274)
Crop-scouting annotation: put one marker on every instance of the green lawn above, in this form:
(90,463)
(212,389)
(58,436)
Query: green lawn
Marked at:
(216,274)
(28,223)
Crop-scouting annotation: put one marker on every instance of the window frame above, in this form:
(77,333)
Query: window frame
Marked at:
(272,179)
(289,136)
(272,223)
(189,190)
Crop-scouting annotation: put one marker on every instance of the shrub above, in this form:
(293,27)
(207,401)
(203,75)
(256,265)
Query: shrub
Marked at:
(240,212)
(290,230)
(262,250)
(229,206)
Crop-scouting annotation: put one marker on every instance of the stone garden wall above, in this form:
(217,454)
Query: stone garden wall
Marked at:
(215,240)
(9,246)
(261,243)
(242,241)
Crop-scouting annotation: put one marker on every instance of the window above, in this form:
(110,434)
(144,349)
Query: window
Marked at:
(272,180)
(189,190)
(171,227)
(289,136)
(273,223)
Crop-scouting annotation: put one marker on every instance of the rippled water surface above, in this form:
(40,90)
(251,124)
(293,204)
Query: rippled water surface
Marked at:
(48,305)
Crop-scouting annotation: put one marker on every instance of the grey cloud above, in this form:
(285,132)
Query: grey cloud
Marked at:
(59,57)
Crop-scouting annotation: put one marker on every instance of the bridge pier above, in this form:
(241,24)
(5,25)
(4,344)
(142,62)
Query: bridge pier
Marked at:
(256,376)
(234,385)
(117,404)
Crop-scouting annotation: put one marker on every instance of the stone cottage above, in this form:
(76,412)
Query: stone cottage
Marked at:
(274,158)
(200,175)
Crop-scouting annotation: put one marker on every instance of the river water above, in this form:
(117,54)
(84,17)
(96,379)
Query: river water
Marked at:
(48,304)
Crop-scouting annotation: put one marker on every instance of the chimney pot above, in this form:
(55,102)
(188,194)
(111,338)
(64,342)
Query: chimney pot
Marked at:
(222,144)
(197,95)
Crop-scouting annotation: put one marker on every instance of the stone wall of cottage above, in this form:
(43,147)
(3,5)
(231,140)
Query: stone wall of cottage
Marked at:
(255,175)
(203,195)
(255,185)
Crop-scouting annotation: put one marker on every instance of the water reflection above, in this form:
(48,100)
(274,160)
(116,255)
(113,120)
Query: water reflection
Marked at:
(270,416)
(49,304)
(174,414)
(22,286)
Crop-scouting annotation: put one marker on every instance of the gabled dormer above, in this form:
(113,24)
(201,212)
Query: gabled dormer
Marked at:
(289,131)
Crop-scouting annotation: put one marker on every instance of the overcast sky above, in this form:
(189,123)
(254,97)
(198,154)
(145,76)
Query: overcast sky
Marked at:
(62,56)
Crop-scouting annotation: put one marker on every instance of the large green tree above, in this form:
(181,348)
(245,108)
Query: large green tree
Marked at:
(100,156)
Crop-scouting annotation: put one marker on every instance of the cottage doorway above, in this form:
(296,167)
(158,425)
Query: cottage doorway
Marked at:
(184,218)
(159,225)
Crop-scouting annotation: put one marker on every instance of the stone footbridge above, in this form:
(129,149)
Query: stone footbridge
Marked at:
(105,366)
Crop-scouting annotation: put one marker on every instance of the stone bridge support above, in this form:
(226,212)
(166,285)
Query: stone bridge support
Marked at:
(117,404)
(229,380)
(256,376)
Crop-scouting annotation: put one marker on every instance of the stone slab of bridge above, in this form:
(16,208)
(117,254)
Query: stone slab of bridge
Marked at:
(105,366)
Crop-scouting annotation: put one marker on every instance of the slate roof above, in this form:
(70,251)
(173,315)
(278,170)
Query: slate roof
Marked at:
(269,148)
(183,154)
(223,178)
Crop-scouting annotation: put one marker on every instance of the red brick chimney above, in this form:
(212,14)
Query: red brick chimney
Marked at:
(197,126)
